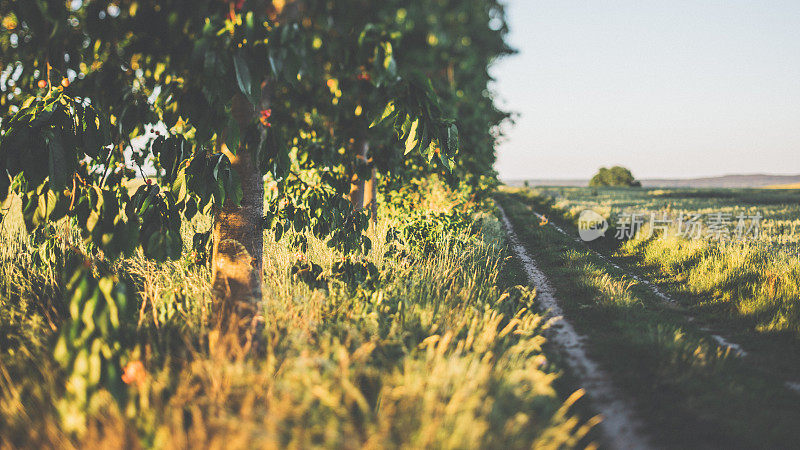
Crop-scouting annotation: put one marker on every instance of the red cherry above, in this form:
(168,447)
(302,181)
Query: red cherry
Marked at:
(134,372)
(265,115)
(42,84)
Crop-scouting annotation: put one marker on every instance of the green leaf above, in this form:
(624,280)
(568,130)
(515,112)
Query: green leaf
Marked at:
(448,163)
(233,188)
(233,136)
(276,64)
(388,111)
(243,75)
(405,127)
(219,192)
(452,140)
(179,186)
(412,141)
(57,162)
(250,24)
(431,150)
(390,65)
(44,114)
(425,137)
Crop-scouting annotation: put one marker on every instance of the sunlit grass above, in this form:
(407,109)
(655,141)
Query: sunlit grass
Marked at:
(753,280)
(691,391)
(435,354)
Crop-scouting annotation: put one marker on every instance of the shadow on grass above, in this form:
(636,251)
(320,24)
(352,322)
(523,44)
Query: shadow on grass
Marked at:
(691,392)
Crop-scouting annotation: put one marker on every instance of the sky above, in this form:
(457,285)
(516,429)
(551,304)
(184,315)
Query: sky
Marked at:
(669,89)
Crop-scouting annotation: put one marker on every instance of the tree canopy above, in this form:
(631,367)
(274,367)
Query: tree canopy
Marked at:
(615,176)
(206,101)
(83,79)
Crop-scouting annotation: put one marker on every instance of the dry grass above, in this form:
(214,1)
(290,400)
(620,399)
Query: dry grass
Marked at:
(784,186)
(755,282)
(435,354)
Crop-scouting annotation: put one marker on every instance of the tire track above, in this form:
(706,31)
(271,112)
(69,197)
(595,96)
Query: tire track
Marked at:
(619,425)
(722,341)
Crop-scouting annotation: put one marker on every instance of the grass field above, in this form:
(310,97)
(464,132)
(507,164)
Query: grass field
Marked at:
(785,186)
(433,346)
(780,208)
(435,340)
(753,282)
(691,390)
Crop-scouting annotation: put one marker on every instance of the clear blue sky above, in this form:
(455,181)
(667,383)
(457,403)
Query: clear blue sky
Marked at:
(666,88)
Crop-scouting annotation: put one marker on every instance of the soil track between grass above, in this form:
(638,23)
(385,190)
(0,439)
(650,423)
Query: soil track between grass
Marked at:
(619,426)
(720,340)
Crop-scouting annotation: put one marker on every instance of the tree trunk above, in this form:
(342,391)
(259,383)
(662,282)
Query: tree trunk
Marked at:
(237,258)
(370,197)
(238,238)
(356,192)
(360,147)
(363,192)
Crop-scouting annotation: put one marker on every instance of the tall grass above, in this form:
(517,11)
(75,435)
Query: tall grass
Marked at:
(690,391)
(757,285)
(433,354)
(754,282)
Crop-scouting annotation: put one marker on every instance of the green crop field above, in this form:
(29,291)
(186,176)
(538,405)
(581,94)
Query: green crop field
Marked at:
(751,277)
(780,208)
(717,363)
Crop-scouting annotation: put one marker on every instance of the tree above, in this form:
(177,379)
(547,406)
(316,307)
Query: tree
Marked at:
(440,46)
(288,89)
(615,176)
(455,43)
(228,80)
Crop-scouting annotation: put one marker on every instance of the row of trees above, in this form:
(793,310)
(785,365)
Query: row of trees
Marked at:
(315,96)
(318,95)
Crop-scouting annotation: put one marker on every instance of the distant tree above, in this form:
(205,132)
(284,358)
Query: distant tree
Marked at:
(615,176)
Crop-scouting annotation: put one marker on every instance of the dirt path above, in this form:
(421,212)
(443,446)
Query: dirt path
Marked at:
(619,424)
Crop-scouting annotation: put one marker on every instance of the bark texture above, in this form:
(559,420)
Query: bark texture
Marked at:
(363,192)
(370,197)
(237,259)
(360,148)
(356,192)
(238,238)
